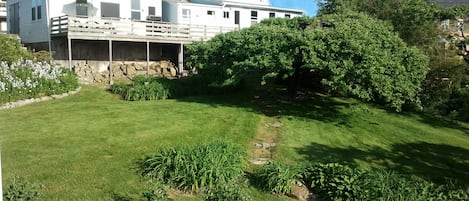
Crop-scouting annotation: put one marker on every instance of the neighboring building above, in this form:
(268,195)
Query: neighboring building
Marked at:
(235,13)
(3,16)
(100,32)
(449,3)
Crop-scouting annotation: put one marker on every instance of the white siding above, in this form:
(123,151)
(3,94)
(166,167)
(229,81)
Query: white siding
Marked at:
(199,14)
(67,7)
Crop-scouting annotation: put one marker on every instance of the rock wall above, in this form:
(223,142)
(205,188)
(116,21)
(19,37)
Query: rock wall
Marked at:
(88,74)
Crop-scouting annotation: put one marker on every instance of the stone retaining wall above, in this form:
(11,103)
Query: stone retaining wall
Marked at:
(88,74)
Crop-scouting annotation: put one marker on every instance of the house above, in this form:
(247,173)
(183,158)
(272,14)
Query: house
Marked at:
(101,33)
(3,16)
(235,13)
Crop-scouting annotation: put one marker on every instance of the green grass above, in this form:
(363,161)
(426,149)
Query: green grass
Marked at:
(83,147)
(360,135)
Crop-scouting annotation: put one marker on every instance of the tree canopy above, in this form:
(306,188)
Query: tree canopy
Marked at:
(346,53)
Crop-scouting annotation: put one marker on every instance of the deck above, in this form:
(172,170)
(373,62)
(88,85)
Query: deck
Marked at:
(93,28)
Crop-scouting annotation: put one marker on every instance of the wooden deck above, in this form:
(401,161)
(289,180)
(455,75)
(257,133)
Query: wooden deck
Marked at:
(92,28)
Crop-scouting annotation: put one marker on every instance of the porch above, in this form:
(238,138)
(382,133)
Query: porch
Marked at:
(112,30)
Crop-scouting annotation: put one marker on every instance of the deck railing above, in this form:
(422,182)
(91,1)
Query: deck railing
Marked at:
(111,28)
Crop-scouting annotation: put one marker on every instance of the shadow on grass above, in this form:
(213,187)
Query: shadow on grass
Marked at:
(309,106)
(434,162)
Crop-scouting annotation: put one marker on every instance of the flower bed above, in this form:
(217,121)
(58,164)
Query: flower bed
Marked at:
(26,79)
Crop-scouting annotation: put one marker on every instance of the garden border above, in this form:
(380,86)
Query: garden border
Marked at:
(20,103)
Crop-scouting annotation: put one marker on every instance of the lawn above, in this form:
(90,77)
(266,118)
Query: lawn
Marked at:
(83,147)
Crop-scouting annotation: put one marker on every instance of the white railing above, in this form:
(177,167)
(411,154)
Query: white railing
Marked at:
(125,28)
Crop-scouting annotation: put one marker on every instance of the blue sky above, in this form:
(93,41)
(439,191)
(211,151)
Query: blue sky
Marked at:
(309,6)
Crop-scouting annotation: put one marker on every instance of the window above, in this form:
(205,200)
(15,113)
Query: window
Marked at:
(237,17)
(135,10)
(39,12)
(253,15)
(226,14)
(81,7)
(151,11)
(210,12)
(36,10)
(186,14)
(110,10)
(271,14)
(287,16)
(33,13)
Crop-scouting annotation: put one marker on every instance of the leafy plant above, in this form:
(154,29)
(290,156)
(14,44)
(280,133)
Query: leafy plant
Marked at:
(277,177)
(21,190)
(195,168)
(334,181)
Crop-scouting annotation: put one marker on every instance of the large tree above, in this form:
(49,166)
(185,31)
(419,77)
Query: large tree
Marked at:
(346,53)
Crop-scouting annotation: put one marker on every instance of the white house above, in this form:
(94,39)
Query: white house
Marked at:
(3,16)
(235,13)
(30,18)
(100,32)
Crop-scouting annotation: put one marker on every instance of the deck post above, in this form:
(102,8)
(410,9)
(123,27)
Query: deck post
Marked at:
(69,53)
(110,62)
(181,59)
(148,58)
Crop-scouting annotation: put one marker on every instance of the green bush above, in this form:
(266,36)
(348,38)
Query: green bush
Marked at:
(204,167)
(277,177)
(334,181)
(21,190)
(339,182)
(12,50)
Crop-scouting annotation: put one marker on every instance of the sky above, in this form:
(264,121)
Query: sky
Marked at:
(309,6)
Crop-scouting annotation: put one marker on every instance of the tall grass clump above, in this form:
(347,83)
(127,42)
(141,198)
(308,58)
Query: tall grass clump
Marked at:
(195,169)
(278,177)
(142,88)
(29,79)
(153,88)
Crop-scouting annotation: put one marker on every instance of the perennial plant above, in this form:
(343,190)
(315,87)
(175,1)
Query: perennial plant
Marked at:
(28,79)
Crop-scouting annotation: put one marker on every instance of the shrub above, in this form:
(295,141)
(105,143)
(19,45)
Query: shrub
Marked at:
(28,79)
(11,50)
(277,177)
(339,182)
(204,167)
(333,181)
(21,190)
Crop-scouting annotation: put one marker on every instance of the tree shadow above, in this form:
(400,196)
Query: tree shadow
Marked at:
(440,122)
(311,106)
(435,162)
